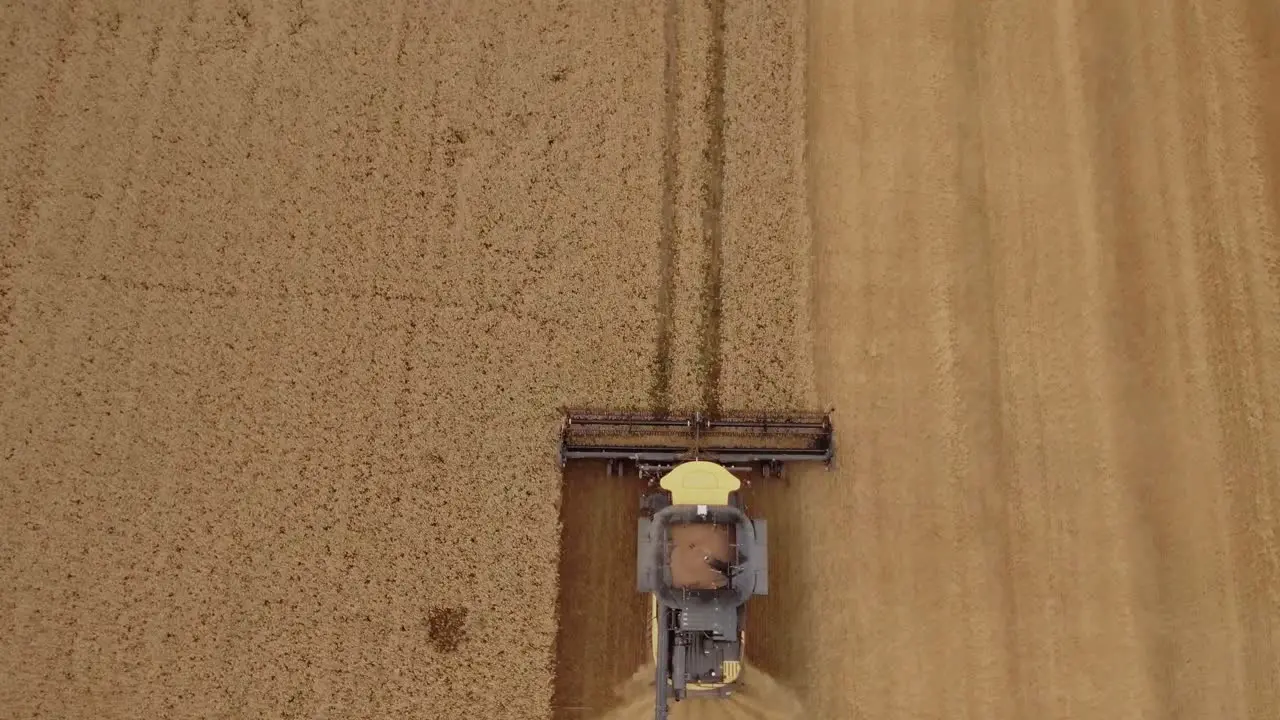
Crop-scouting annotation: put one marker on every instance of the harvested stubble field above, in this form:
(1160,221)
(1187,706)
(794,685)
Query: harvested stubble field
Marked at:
(292,291)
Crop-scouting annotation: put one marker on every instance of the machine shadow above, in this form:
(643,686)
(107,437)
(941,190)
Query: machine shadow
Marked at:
(602,635)
(774,642)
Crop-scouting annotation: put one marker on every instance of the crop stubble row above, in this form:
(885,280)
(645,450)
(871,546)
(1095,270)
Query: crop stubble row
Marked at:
(1048,236)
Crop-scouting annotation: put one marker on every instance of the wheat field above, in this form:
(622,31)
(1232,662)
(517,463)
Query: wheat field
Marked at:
(292,293)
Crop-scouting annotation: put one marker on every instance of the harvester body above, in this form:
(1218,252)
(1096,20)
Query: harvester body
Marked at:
(699,556)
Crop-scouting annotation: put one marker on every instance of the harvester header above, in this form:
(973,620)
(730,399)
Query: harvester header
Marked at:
(659,441)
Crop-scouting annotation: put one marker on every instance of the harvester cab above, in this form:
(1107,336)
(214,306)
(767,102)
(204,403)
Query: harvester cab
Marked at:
(699,556)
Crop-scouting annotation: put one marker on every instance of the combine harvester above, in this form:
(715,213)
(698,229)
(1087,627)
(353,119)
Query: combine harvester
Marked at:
(698,555)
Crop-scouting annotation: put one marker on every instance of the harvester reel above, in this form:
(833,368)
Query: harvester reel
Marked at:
(654,443)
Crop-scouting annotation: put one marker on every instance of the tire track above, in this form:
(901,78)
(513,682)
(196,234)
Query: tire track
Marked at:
(660,395)
(689,335)
(713,214)
(155,94)
(999,500)
(1256,509)
(1263,21)
(1120,208)
(37,151)
(257,30)
(1238,279)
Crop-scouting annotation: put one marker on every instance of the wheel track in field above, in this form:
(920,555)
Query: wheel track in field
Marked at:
(713,214)
(703,244)
(660,395)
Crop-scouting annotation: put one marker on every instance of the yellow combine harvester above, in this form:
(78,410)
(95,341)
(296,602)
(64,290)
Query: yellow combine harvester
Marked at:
(698,555)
